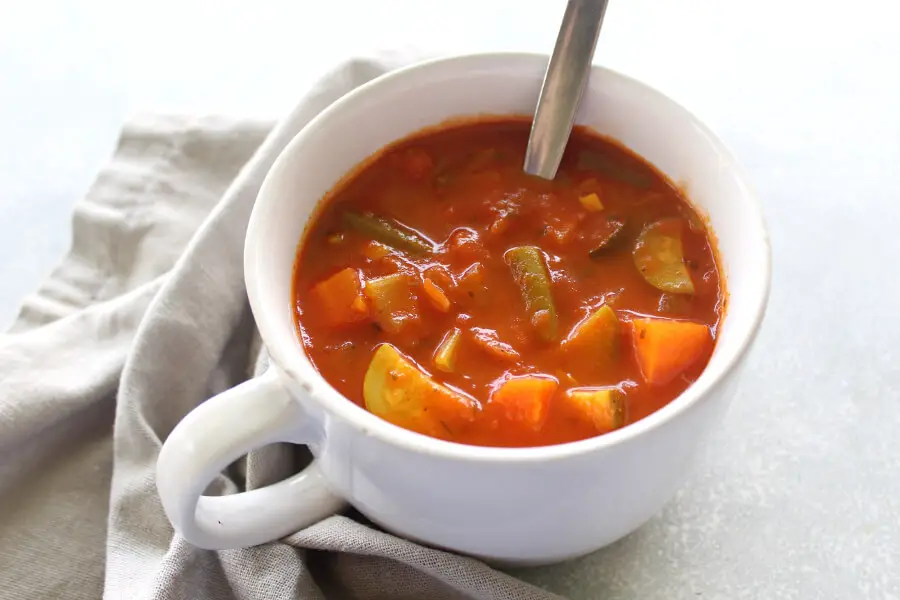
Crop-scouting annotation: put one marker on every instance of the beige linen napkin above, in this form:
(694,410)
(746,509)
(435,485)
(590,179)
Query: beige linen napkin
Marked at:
(146,318)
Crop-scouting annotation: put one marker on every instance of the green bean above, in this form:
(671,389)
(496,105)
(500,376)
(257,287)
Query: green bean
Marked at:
(382,230)
(530,274)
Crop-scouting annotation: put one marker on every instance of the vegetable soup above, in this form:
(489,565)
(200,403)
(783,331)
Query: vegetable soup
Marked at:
(447,292)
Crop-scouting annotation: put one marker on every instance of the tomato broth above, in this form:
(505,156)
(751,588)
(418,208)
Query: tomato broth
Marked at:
(446,291)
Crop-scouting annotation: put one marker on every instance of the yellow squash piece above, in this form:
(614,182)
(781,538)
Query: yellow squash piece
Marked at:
(445,355)
(398,391)
(595,335)
(591,202)
(659,257)
(604,408)
(393,303)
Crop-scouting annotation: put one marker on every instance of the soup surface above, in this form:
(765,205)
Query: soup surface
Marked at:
(449,293)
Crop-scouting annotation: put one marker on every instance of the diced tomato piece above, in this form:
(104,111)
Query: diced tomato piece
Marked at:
(465,242)
(417,163)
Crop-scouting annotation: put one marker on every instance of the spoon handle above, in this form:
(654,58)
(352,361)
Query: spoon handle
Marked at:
(564,81)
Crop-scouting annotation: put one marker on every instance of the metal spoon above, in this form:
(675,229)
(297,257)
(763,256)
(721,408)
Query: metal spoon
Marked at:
(567,74)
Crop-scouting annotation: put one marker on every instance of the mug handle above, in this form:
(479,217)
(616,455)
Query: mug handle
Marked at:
(215,434)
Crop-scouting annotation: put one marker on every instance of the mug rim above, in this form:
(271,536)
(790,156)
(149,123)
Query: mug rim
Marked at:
(369,424)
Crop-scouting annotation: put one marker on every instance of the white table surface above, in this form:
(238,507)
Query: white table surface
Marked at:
(798,495)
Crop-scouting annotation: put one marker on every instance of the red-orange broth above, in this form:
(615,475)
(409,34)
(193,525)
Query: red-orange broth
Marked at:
(493,308)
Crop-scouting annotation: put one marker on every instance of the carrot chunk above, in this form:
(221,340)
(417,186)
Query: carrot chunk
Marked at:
(436,295)
(666,347)
(526,399)
(440,276)
(340,297)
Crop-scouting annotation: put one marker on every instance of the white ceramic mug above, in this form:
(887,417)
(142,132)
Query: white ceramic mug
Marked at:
(509,505)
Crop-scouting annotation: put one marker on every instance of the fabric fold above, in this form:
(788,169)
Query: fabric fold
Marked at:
(145,319)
